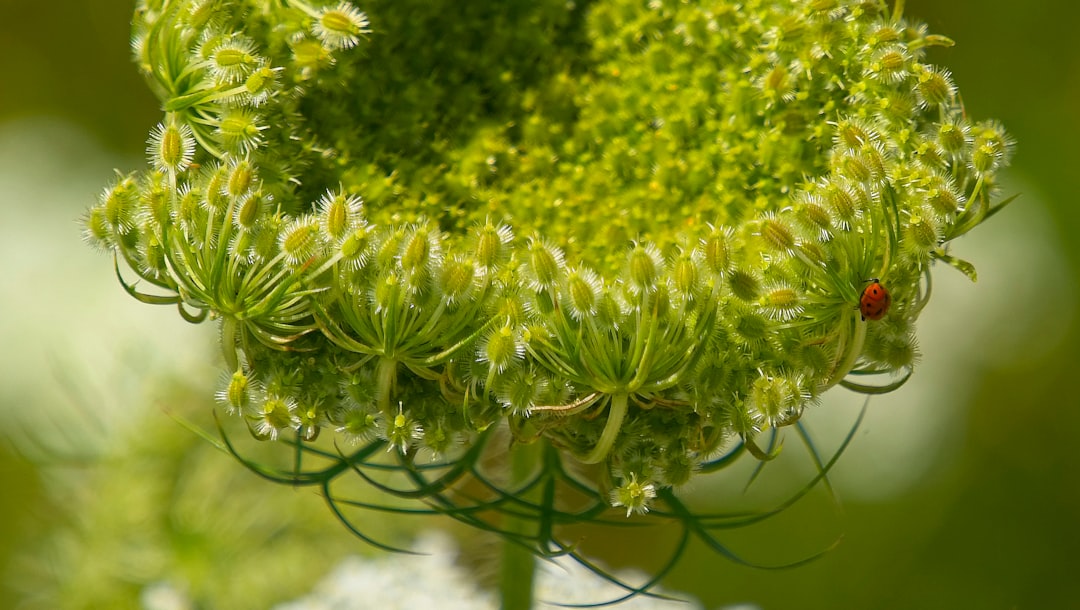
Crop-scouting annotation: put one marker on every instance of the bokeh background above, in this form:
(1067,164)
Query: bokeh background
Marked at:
(962,490)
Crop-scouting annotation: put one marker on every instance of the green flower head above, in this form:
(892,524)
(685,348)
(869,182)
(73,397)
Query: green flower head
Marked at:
(638,232)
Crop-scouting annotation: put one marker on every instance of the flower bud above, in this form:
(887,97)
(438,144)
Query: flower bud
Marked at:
(231,58)
(420,250)
(751,328)
(216,185)
(780,303)
(522,389)
(300,240)
(340,27)
(239,131)
(438,440)
(853,133)
(777,234)
(779,398)
(953,137)
(686,274)
(155,200)
(716,250)
(934,87)
(119,205)
(154,256)
(275,415)
(339,212)
(644,265)
(191,214)
(990,148)
(943,196)
(171,147)
(581,292)
(544,263)
(96,229)
(236,395)
(358,425)
(742,420)
(889,65)
(920,233)
(501,348)
(894,348)
(252,208)
(386,293)
(492,245)
(267,237)
(984,157)
(356,248)
(743,285)
(844,203)
(811,213)
(457,279)
(261,84)
(241,177)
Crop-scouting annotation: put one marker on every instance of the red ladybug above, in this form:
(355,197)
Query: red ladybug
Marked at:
(874,302)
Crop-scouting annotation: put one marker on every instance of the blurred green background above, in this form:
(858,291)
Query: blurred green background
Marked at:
(960,491)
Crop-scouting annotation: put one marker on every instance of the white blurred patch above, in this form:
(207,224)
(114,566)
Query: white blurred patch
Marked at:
(78,353)
(435,580)
(164,596)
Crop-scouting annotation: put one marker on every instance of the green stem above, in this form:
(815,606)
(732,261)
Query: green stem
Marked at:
(851,354)
(228,343)
(518,563)
(616,413)
(384,384)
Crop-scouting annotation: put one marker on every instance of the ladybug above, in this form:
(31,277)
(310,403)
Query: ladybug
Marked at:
(874,302)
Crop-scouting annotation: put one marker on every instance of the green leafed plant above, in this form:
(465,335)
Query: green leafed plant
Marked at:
(641,236)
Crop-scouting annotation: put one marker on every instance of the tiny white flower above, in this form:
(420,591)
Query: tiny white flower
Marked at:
(633,495)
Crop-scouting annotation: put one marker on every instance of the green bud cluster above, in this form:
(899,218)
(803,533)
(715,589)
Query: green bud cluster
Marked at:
(636,231)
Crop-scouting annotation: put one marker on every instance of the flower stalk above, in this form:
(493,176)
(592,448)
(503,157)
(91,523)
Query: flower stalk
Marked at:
(518,565)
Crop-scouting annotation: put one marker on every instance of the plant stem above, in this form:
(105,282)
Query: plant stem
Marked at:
(518,563)
(616,413)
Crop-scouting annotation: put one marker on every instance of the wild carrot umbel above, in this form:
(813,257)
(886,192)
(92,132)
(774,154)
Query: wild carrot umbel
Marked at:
(638,235)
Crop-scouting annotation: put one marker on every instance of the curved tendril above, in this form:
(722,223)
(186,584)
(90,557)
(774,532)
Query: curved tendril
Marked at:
(808,442)
(873,389)
(332,503)
(543,541)
(725,460)
(294,478)
(775,445)
(149,299)
(632,591)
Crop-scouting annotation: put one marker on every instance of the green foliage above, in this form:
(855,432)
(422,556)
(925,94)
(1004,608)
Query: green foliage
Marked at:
(160,506)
